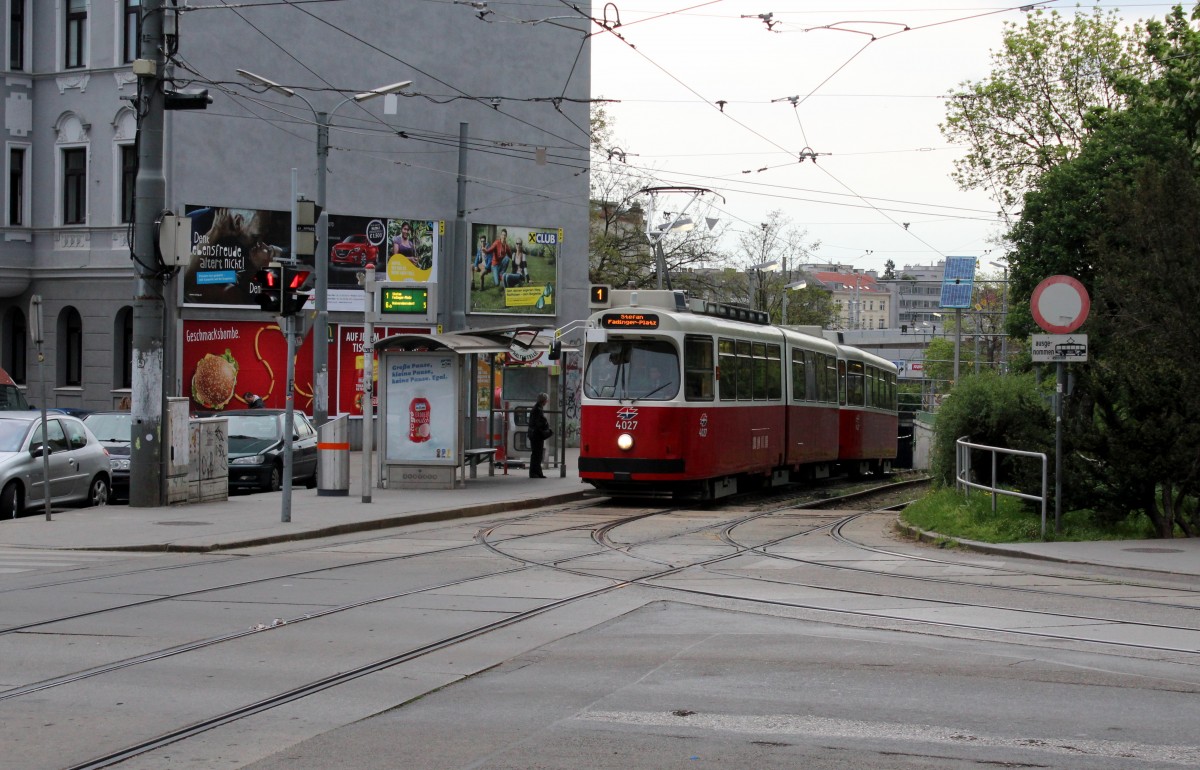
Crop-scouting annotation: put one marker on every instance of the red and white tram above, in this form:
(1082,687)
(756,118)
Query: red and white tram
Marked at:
(693,398)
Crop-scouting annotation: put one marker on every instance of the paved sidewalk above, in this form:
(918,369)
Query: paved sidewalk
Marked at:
(255,519)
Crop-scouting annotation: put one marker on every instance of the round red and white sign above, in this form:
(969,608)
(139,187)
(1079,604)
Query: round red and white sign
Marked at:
(1060,304)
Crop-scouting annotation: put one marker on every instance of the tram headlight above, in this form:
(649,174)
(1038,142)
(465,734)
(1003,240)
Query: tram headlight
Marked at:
(625,442)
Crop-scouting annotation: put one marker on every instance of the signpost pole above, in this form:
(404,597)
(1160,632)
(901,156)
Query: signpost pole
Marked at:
(35,331)
(368,378)
(1060,393)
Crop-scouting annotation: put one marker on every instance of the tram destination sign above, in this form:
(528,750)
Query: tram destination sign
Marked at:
(631,321)
(1065,348)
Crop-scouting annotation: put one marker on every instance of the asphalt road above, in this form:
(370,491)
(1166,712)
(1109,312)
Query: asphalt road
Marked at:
(588,636)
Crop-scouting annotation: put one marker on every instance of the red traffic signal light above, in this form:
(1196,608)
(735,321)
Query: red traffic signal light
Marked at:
(294,294)
(267,284)
(281,289)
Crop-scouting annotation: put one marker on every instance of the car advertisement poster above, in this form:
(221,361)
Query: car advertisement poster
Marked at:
(225,360)
(230,246)
(513,269)
(422,410)
(400,249)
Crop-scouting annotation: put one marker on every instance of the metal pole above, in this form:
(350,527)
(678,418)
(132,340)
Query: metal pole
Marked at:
(320,333)
(456,269)
(1004,326)
(1060,394)
(45,447)
(368,379)
(957,340)
(287,325)
(146,457)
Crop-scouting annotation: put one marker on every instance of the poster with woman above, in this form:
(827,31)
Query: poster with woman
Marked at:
(513,269)
(410,251)
(229,247)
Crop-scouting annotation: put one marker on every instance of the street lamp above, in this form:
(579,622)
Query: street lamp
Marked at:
(772,266)
(321,259)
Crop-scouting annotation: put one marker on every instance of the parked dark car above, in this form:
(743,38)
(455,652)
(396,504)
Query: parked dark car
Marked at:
(79,465)
(256,449)
(114,430)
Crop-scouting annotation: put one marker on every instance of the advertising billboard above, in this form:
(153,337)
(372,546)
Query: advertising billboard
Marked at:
(422,408)
(229,246)
(513,269)
(223,360)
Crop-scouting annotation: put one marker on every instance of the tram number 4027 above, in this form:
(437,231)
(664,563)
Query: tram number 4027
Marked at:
(627,424)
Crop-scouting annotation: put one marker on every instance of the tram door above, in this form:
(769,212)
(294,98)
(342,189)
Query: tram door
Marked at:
(520,388)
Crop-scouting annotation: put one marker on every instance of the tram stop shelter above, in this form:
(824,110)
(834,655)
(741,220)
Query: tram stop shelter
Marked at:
(428,406)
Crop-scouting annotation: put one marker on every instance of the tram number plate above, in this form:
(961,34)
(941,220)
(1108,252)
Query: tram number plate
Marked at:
(627,424)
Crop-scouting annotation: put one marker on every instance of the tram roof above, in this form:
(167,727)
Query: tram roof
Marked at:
(498,339)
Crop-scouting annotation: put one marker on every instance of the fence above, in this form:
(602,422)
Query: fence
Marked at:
(962,473)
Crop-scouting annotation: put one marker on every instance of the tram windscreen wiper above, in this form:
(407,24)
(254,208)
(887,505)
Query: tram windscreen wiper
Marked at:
(651,393)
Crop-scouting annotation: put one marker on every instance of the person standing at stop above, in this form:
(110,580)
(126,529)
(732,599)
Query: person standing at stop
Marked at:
(539,431)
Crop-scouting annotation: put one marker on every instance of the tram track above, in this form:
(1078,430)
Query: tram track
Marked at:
(602,537)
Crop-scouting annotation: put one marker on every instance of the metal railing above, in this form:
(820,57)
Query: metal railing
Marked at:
(962,473)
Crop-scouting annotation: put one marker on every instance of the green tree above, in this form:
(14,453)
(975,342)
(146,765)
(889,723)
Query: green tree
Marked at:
(1031,112)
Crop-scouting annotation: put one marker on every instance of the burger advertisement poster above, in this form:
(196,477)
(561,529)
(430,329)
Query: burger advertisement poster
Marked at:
(225,360)
(513,269)
(421,410)
(230,246)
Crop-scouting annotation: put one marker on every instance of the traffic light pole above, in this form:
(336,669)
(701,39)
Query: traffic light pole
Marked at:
(146,487)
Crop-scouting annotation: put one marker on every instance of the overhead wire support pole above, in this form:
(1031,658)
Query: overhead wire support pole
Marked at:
(147,488)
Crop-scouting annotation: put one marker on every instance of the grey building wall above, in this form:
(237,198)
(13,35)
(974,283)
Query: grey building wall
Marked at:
(521,89)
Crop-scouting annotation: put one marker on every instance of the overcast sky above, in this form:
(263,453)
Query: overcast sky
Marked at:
(868,97)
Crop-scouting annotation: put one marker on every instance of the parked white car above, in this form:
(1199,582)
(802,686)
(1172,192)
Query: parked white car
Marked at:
(79,464)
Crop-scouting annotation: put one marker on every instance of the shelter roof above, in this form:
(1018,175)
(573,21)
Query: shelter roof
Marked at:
(498,339)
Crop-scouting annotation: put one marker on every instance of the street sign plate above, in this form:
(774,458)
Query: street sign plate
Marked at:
(1060,304)
(1054,348)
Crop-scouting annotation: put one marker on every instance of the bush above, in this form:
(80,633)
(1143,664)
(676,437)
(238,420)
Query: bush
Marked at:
(1006,411)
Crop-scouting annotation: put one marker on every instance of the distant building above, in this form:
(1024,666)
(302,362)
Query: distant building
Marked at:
(861,301)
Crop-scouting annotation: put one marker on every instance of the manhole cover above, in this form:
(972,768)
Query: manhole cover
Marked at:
(183,523)
(1153,550)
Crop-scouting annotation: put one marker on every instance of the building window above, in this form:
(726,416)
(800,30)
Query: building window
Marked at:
(75,44)
(70,349)
(16,35)
(16,186)
(74,186)
(129,167)
(16,334)
(123,349)
(132,9)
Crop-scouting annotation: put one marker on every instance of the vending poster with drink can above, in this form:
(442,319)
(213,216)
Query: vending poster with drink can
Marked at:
(421,408)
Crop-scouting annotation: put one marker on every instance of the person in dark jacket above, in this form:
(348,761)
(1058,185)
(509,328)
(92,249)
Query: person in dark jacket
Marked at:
(539,431)
(253,401)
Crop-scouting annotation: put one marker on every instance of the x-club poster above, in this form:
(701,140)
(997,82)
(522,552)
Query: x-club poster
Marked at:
(400,249)
(230,246)
(513,269)
(422,408)
(223,360)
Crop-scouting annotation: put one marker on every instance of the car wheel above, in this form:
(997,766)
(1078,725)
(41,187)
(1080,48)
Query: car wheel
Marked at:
(275,480)
(12,501)
(98,492)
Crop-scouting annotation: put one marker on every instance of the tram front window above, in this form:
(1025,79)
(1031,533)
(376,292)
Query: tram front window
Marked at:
(632,371)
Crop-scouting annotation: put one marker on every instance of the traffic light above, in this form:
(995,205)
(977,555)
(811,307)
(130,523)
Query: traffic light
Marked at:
(268,283)
(295,293)
(281,288)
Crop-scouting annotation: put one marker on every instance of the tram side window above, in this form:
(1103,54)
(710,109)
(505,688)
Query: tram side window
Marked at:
(759,355)
(841,379)
(872,392)
(698,368)
(892,404)
(727,359)
(745,367)
(799,376)
(855,393)
(774,373)
(826,382)
(814,374)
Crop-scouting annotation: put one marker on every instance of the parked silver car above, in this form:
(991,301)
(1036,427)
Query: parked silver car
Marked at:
(79,464)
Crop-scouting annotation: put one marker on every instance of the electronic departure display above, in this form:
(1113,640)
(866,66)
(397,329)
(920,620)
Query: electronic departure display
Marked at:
(396,300)
(629,321)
